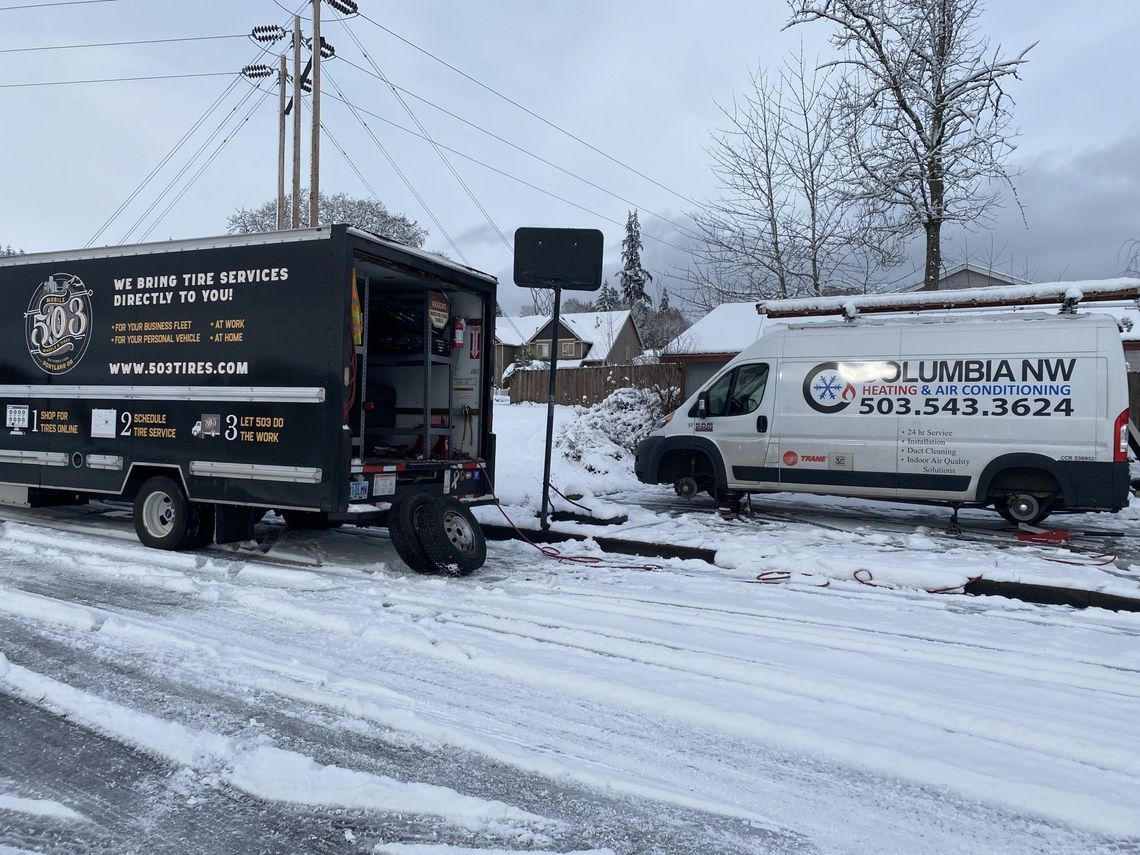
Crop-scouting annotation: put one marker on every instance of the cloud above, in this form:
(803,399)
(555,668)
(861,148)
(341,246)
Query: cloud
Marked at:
(1080,208)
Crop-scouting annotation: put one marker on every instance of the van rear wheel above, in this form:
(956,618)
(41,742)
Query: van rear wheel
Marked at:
(1023,508)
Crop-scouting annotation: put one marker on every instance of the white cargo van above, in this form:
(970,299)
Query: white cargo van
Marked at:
(1024,412)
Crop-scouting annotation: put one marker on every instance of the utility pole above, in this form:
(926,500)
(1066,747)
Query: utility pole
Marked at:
(298,73)
(282,82)
(315,154)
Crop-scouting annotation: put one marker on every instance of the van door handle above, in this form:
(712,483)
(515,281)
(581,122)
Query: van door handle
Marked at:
(761,424)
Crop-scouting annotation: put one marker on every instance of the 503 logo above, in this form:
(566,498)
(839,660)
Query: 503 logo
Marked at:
(57,324)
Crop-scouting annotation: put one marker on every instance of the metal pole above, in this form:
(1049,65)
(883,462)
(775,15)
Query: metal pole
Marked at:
(297,92)
(282,82)
(545,513)
(315,179)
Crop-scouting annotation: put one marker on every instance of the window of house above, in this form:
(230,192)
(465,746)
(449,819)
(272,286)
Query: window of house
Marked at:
(543,349)
(566,348)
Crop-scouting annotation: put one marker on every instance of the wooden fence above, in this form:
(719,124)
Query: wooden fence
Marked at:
(1133,397)
(589,385)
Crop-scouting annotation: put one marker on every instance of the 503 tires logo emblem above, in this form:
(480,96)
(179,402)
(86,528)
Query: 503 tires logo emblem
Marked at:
(57,324)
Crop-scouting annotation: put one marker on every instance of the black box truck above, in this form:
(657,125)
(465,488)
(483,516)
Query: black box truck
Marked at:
(327,374)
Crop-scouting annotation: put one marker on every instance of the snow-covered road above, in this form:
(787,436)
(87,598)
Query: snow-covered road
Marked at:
(317,696)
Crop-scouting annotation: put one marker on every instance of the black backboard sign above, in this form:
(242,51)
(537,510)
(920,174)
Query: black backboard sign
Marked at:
(570,259)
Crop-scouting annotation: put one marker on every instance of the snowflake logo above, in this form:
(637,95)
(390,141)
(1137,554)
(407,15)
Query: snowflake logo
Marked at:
(827,388)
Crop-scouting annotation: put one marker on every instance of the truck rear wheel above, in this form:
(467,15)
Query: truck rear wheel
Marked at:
(164,517)
(452,537)
(404,521)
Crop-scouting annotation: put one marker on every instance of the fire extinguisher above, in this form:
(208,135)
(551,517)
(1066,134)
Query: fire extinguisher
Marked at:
(457,339)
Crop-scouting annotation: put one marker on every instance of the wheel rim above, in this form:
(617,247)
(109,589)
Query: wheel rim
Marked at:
(158,514)
(459,532)
(1023,508)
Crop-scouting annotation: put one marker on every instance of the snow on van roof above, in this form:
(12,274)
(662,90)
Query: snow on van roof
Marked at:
(732,327)
(1009,295)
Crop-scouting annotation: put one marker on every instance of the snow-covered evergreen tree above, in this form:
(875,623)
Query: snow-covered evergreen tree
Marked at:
(633,277)
(608,299)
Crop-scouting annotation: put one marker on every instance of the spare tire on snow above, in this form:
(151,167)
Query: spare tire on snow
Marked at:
(452,537)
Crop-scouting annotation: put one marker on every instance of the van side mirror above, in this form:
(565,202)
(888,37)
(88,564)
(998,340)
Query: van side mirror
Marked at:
(703,405)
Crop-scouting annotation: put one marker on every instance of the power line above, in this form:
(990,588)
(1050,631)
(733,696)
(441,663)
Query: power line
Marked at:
(189,164)
(516,146)
(60,3)
(165,160)
(121,44)
(265,94)
(501,172)
(392,162)
(115,79)
(527,110)
(376,196)
(451,168)
(175,149)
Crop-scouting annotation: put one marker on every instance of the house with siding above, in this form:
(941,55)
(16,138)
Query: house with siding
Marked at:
(512,335)
(584,338)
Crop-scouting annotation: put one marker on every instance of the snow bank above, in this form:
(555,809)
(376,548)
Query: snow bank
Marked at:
(603,438)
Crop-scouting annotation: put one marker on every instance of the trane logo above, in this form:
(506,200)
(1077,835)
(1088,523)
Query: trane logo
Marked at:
(791,458)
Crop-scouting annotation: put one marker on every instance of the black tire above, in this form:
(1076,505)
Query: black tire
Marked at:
(404,521)
(452,537)
(203,534)
(309,520)
(164,517)
(1027,509)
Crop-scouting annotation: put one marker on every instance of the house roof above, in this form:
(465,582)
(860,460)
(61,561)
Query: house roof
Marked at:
(987,272)
(515,331)
(600,329)
(728,329)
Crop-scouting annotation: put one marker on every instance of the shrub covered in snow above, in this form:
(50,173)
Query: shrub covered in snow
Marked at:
(603,437)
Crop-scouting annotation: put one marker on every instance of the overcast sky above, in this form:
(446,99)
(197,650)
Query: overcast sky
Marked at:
(639,80)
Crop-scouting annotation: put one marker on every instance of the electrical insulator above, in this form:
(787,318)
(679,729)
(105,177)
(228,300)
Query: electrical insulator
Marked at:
(268,34)
(258,72)
(345,7)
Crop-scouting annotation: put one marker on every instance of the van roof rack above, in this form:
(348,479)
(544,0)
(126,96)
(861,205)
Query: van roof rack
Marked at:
(1065,295)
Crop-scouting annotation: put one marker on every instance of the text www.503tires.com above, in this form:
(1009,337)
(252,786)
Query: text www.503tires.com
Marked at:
(179,368)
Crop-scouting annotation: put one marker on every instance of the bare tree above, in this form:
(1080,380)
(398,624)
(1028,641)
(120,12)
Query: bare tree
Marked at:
(925,116)
(366,214)
(782,227)
(1131,251)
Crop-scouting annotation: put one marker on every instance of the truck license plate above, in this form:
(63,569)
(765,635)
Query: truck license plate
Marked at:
(357,490)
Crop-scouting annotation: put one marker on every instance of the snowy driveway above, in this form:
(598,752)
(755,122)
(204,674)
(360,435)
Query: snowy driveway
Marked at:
(319,697)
